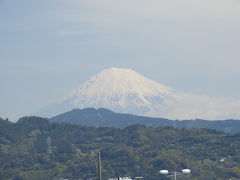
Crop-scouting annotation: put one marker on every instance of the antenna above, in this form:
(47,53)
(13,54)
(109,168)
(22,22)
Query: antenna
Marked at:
(99,167)
(49,147)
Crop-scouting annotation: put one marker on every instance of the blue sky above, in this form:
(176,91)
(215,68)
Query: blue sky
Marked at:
(49,47)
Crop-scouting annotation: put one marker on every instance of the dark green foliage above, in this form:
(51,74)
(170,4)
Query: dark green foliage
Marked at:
(137,150)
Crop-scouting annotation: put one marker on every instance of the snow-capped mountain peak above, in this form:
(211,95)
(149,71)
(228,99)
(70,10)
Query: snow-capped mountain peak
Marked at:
(121,90)
(126,91)
(119,81)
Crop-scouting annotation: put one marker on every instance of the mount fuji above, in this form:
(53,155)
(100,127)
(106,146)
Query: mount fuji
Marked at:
(126,91)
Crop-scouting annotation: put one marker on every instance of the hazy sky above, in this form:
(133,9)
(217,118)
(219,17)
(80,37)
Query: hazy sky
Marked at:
(49,47)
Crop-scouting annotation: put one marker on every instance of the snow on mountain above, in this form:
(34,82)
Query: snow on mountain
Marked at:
(122,90)
(126,91)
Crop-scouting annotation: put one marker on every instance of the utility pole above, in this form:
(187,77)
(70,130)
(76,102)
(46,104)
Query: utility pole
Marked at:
(99,167)
(175,175)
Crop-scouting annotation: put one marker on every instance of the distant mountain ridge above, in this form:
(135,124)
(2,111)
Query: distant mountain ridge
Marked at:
(126,91)
(106,118)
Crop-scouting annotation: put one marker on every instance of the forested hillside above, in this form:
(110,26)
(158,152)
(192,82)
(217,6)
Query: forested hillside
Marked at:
(35,149)
(106,118)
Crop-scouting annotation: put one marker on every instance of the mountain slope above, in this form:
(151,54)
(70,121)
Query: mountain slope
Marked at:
(106,118)
(126,91)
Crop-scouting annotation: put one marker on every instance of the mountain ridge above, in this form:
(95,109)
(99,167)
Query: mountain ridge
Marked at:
(106,118)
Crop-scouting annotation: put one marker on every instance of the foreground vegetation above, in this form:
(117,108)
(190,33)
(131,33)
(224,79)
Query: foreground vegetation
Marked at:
(35,149)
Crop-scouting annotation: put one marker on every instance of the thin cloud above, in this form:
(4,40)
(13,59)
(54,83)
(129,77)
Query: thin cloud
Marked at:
(192,106)
(159,9)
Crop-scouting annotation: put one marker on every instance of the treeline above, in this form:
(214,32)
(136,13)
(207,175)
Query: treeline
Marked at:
(35,149)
